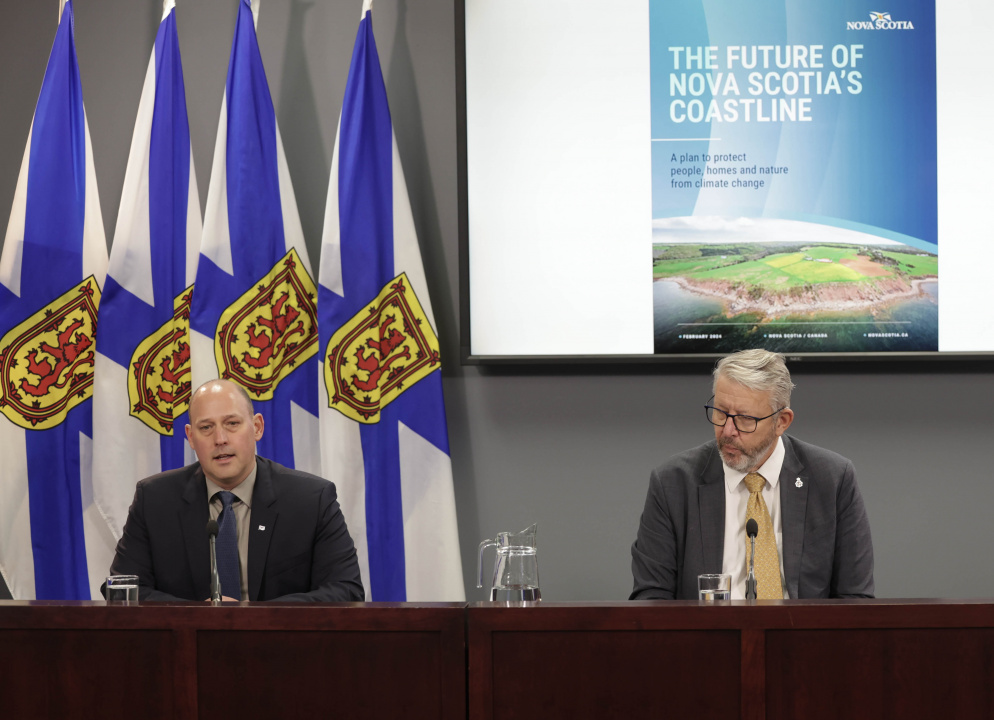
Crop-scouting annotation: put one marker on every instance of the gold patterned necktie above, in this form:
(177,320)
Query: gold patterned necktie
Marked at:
(767,558)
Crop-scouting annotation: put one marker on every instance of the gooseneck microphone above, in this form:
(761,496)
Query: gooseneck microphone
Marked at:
(212,530)
(752,529)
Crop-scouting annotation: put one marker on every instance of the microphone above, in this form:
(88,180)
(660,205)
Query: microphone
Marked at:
(752,529)
(212,530)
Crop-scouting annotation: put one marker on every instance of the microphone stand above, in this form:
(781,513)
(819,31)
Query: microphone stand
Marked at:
(212,530)
(751,578)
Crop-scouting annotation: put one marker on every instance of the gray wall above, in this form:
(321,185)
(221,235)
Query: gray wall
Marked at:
(570,449)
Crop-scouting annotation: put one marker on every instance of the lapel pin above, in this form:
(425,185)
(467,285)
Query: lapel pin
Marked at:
(263,527)
(797,484)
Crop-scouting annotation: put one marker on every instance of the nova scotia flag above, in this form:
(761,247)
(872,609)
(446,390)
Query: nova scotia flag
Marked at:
(383,432)
(143,347)
(51,271)
(254,316)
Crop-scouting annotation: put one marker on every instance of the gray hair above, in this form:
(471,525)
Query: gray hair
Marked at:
(759,370)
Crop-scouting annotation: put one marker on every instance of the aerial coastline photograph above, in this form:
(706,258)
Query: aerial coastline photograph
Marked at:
(789,286)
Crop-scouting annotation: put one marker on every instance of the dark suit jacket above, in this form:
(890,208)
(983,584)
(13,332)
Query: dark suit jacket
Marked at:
(299,546)
(827,550)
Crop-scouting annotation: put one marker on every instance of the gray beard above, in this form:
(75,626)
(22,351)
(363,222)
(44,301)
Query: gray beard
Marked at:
(747,461)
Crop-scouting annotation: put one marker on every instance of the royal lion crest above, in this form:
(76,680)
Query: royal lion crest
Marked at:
(46,362)
(159,381)
(378,354)
(270,330)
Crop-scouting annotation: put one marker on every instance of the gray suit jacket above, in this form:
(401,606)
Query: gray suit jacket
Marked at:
(299,546)
(827,550)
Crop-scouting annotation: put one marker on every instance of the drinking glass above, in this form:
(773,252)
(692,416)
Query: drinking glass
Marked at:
(711,587)
(122,589)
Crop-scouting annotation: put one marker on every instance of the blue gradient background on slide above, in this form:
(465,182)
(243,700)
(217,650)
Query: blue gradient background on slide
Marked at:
(864,162)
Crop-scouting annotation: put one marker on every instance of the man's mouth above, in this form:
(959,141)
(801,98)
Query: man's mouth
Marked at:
(223,456)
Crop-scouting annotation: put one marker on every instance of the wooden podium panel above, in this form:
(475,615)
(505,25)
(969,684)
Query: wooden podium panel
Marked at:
(306,674)
(73,673)
(899,673)
(238,660)
(615,674)
(601,661)
(882,659)
(768,659)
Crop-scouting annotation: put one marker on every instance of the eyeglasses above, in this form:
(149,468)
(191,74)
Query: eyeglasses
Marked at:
(743,423)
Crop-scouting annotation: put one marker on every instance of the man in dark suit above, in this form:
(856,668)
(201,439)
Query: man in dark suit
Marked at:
(292,540)
(695,512)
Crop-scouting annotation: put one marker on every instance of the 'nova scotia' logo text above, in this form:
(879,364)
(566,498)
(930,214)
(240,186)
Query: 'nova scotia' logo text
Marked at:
(880,21)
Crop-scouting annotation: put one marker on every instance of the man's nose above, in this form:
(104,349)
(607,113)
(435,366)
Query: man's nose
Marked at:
(220,436)
(729,430)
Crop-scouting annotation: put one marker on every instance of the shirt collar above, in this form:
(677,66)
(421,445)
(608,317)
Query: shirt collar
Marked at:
(769,469)
(243,491)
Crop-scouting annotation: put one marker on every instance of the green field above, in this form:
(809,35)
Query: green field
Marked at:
(692,266)
(804,265)
(755,272)
(830,253)
(779,261)
(915,265)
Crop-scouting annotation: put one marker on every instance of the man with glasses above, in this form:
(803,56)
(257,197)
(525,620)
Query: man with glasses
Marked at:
(813,537)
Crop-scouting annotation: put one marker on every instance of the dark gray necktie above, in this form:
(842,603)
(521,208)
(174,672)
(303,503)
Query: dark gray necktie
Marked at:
(227,549)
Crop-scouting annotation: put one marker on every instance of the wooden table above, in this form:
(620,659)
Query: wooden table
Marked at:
(772,659)
(263,660)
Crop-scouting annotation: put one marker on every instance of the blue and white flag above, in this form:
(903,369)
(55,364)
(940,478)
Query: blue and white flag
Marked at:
(51,273)
(143,374)
(254,314)
(383,432)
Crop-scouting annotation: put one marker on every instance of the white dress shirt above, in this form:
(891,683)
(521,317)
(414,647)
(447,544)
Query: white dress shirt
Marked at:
(734,559)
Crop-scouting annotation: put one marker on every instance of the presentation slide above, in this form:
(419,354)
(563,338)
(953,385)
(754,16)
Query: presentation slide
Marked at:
(679,178)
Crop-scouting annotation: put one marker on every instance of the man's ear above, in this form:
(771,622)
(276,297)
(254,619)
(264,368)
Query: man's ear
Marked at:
(784,419)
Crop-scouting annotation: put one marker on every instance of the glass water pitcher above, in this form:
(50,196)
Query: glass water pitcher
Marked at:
(515,567)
